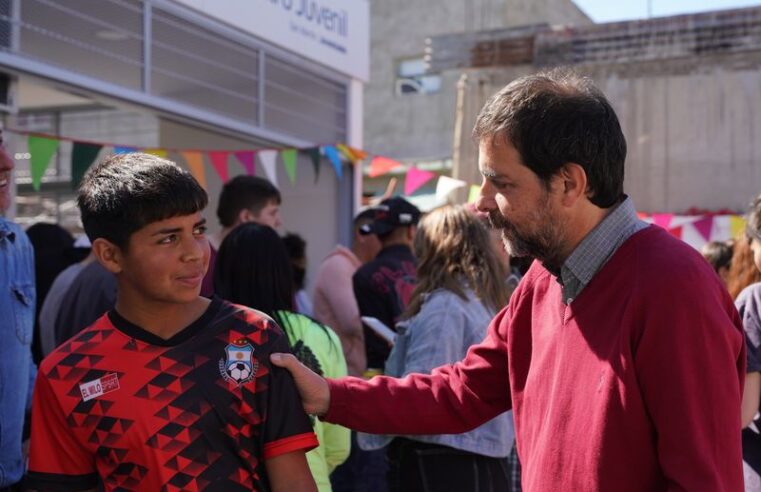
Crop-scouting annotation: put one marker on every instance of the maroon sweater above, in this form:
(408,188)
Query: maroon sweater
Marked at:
(634,386)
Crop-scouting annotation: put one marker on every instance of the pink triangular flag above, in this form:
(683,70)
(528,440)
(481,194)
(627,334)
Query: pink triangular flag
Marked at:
(704,226)
(415,179)
(219,161)
(663,220)
(246,158)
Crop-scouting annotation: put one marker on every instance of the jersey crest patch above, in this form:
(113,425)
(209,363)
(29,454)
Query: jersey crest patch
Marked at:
(238,365)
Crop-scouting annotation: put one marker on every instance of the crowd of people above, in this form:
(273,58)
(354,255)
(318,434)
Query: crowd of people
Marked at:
(425,358)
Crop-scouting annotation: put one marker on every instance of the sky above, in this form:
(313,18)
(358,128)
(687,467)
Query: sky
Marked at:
(615,10)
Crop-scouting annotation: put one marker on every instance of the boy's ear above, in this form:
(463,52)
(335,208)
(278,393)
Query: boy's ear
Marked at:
(245,216)
(108,254)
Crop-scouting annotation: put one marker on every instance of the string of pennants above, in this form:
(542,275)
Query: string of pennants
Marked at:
(42,148)
(417,178)
(696,230)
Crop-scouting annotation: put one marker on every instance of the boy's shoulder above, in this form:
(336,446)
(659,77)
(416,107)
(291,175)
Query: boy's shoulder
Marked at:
(86,344)
(236,321)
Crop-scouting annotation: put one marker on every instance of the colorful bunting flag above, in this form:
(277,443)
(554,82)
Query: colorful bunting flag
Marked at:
(267,158)
(351,153)
(314,154)
(219,161)
(42,150)
(82,157)
(737,225)
(475,192)
(246,158)
(381,165)
(676,232)
(663,220)
(704,226)
(446,185)
(415,179)
(195,164)
(289,161)
(332,154)
(157,152)
(124,150)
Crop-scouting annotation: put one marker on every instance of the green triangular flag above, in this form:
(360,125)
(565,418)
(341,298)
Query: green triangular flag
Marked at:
(41,150)
(314,154)
(289,160)
(82,157)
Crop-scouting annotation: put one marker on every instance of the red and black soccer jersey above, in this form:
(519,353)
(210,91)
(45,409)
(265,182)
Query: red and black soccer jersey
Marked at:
(202,410)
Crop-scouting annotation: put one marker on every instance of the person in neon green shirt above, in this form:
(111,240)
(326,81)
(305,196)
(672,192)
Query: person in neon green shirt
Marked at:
(253,269)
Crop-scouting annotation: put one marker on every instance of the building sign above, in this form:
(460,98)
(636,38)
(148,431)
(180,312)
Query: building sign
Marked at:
(334,33)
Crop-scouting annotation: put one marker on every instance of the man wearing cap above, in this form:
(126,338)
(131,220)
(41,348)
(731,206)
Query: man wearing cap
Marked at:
(17,371)
(384,286)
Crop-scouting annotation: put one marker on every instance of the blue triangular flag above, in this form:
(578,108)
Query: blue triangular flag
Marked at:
(332,154)
(124,150)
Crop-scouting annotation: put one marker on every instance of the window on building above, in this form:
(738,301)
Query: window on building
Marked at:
(412,79)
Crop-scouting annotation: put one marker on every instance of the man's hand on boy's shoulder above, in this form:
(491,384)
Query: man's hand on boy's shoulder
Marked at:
(313,389)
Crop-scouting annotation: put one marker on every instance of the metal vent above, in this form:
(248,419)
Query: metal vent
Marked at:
(199,67)
(100,39)
(303,103)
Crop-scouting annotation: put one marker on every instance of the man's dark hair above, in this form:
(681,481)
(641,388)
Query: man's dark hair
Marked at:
(553,118)
(126,192)
(244,193)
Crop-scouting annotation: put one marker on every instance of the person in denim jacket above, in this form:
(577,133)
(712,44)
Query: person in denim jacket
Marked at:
(460,288)
(17,297)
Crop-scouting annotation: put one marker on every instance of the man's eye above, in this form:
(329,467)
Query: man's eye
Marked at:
(168,239)
(200,230)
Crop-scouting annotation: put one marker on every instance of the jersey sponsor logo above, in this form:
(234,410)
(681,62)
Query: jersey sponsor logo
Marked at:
(99,387)
(238,365)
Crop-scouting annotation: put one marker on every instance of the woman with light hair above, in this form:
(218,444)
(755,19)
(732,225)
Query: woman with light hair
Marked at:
(461,285)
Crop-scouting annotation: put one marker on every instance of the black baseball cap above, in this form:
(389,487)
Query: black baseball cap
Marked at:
(390,214)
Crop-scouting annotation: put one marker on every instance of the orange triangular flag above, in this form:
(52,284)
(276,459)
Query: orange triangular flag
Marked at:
(382,165)
(195,164)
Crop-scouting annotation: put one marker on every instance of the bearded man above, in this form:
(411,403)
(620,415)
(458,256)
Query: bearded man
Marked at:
(620,353)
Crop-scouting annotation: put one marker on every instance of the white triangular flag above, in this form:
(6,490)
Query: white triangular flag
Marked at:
(268,158)
(446,185)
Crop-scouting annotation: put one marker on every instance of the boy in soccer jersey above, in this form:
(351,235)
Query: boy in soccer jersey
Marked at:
(170,390)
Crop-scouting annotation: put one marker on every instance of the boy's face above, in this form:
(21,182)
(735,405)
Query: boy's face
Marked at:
(269,215)
(165,261)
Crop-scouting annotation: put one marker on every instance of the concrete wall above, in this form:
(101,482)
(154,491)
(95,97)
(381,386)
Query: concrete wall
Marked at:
(693,129)
(420,126)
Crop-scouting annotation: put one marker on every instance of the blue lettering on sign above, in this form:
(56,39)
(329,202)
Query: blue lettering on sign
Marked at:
(335,21)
